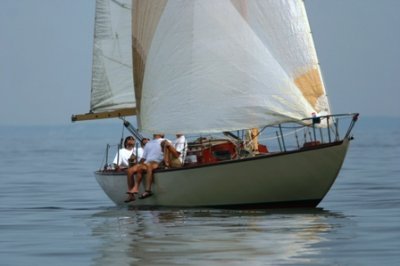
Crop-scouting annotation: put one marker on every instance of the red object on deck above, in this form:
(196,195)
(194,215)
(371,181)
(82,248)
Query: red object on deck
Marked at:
(262,148)
(216,151)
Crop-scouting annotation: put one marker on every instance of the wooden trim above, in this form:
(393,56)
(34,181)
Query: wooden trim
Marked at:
(104,115)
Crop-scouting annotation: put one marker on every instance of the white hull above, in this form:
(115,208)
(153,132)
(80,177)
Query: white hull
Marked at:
(293,179)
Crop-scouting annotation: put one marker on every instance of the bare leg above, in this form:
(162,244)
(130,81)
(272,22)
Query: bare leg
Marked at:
(139,177)
(149,175)
(130,178)
(149,180)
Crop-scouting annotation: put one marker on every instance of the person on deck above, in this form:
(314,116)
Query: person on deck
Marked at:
(139,150)
(152,157)
(133,170)
(125,154)
(175,152)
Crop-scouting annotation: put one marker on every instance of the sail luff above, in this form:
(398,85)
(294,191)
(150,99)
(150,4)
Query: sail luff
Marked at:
(285,30)
(145,19)
(319,99)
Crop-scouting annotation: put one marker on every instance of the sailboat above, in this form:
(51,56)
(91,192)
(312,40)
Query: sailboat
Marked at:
(240,75)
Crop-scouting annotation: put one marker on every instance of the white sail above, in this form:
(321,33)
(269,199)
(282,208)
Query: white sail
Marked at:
(289,40)
(112,82)
(209,66)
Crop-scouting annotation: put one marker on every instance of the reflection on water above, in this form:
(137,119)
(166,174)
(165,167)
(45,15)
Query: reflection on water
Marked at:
(217,237)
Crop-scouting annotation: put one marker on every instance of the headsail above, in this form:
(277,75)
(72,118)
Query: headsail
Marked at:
(208,66)
(112,91)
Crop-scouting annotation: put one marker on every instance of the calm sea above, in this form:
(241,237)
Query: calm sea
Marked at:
(53,212)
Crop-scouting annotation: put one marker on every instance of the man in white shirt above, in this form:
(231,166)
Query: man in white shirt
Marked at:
(180,145)
(152,157)
(124,155)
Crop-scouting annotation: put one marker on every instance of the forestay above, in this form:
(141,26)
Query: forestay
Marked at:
(209,66)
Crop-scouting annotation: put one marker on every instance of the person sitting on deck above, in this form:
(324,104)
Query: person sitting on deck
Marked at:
(126,154)
(133,170)
(152,157)
(175,152)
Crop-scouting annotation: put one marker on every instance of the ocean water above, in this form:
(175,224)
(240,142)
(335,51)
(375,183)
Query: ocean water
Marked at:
(52,211)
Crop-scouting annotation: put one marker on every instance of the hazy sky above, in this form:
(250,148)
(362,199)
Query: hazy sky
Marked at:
(45,57)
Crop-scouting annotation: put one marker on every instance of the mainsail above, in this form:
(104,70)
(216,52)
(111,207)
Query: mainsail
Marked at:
(211,66)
